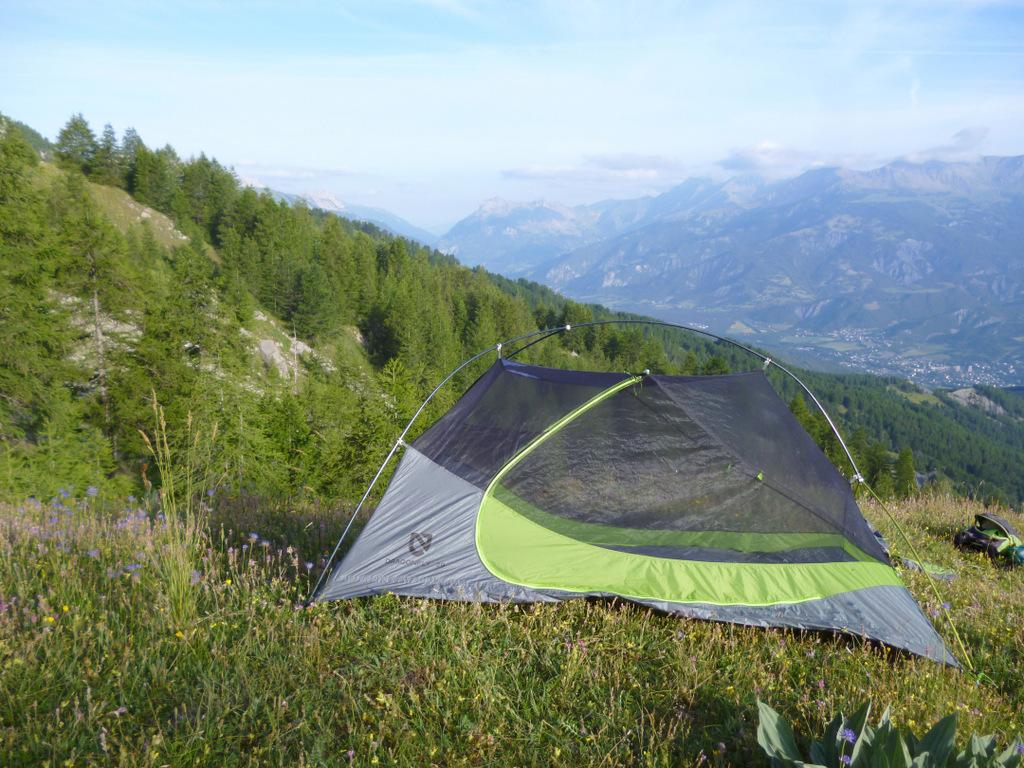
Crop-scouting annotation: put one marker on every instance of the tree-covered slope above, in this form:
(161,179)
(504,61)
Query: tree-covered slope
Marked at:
(308,340)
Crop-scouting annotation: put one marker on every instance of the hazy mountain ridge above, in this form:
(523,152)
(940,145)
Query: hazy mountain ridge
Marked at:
(907,262)
(380,217)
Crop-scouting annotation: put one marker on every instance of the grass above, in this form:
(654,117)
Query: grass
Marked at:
(125,213)
(95,669)
(916,397)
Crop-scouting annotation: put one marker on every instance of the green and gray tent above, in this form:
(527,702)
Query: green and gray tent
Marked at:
(700,496)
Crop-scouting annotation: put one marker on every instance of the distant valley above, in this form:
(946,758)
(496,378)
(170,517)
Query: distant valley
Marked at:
(913,269)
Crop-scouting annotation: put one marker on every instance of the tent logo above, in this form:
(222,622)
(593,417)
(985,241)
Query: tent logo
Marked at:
(419,543)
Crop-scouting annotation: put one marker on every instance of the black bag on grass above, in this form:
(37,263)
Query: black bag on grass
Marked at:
(993,535)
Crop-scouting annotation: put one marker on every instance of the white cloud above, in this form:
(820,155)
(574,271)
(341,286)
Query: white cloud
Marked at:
(964,145)
(583,100)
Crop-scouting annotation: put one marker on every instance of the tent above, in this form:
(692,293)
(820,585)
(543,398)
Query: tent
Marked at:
(700,496)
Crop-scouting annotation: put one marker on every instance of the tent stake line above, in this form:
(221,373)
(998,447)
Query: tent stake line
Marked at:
(537,336)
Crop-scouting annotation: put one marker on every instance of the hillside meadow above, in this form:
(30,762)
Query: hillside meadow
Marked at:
(129,639)
(170,629)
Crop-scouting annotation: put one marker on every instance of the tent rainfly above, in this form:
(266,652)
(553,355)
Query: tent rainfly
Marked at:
(699,496)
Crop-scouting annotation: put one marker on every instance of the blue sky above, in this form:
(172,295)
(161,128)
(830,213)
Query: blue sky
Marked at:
(427,108)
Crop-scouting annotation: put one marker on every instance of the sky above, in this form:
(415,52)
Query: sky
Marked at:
(428,108)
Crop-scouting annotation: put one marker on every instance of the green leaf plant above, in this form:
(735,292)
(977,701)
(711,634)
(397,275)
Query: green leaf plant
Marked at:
(852,741)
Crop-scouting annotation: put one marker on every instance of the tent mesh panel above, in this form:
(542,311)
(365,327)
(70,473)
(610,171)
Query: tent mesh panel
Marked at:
(698,454)
(639,463)
(504,410)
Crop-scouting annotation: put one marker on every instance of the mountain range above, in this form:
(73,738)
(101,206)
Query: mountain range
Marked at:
(910,268)
(386,220)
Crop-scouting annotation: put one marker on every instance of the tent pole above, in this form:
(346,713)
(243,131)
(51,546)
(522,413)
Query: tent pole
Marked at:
(544,334)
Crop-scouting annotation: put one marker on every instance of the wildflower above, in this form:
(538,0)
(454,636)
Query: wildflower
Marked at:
(848,736)
(179,634)
(196,576)
(821,685)
(720,748)
(845,760)
(132,567)
(93,553)
(63,493)
(945,606)
(65,608)
(120,711)
(131,499)
(254,536)
(350,755)
(49,619)
(228,582)
(209,493)
(309,566)
(92,491)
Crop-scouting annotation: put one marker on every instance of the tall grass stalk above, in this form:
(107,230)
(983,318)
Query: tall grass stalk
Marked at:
(185,530)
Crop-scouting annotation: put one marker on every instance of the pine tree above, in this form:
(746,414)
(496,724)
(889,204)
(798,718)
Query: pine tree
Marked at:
(107,166)
(34,359)
(878,470)
(690,365)
(313,303)
(94,270)
(76,144)
(906,475)
(715,365)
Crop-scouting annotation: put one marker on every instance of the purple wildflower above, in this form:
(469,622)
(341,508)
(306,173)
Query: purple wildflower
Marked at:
(821,685)
(309,566)
(209,493)
(848,736)
(845,759)
(131,499)
(945,606)
(132,567)
(1020,747)
(196,577)
(253,536)
(63,493)
(92,491)
(94,553)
